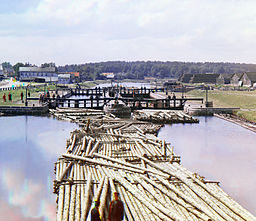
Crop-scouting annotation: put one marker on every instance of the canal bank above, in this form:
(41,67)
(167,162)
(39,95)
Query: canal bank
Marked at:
(21,110)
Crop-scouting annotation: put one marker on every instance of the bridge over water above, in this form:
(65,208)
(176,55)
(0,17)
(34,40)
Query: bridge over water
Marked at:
(135,98)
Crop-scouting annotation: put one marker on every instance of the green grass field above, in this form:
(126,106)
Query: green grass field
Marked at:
(240,99)
(16,98)
(248,115)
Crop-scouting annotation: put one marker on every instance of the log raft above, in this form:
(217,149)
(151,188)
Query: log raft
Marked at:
(111,156)
(163,116)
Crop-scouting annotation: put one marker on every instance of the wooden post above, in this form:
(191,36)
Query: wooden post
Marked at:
(163,148)
(91,101)
(76,103)
(97,101)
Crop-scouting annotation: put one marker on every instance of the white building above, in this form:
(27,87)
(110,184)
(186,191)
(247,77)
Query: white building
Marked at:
(47,74)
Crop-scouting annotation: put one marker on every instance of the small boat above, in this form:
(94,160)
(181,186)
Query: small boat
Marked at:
(118,108)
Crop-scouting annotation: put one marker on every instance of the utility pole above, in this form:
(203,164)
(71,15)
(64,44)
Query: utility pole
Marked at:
(26,102)
(206,95)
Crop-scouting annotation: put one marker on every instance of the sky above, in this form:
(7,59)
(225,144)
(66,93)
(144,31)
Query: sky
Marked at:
(80,31)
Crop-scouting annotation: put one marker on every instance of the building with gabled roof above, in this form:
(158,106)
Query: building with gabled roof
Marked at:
(248,79)
(1,72)
(224,79)
(235,79)
(204,78)
(40,74)
(185,78)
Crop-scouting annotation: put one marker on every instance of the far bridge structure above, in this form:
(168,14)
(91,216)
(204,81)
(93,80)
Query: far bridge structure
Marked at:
(135,98)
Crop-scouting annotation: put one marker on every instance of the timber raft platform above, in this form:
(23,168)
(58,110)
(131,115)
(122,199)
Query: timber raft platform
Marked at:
(110,155)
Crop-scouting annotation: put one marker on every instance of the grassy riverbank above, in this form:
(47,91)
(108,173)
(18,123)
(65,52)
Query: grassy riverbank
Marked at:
(16,94)
(246,100)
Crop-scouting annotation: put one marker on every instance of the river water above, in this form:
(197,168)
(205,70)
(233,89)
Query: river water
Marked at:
(220,151)
(29,146)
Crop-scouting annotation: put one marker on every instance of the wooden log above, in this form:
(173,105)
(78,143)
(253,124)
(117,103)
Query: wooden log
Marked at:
(78,195)
(66,202)
(130,165)
(162,212)
(88,148)
(98,192)
(102,163)
(94,149)
(66,170)
(87,204)
(83,145)
(70,149)
(73,196)
(150,150)
(60,203)
(163,148)
(126,208)
(192,184)
(194,206)
(103,198)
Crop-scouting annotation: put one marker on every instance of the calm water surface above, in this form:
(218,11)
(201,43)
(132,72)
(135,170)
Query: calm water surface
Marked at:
(220,151)
(29,146)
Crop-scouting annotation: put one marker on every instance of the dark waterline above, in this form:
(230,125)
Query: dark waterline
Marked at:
(29,146)
(220,151)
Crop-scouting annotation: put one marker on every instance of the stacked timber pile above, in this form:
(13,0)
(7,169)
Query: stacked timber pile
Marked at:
(76,114)
(163,116)
(144,171)
(101,121)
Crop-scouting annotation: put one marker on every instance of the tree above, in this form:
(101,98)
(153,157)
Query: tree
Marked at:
(6,65)
(16,68)
(45,65)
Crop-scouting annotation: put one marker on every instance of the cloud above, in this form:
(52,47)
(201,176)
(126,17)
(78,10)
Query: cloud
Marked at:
(28,198)
(12,213)
(68,31)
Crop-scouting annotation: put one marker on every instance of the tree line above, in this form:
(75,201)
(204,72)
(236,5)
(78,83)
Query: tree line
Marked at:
(142,69)
(157,69)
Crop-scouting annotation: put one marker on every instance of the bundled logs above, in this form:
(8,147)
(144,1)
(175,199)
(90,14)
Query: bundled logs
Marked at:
(163,116)
(101,121)
(143,169)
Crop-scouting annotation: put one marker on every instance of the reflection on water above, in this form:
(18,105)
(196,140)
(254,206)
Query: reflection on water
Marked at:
(220,151)
(29,146)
